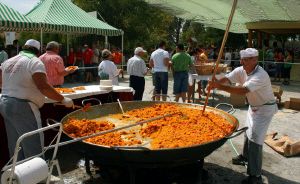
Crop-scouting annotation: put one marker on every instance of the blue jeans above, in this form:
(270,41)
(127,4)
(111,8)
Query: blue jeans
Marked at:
(161,82)
(180,82)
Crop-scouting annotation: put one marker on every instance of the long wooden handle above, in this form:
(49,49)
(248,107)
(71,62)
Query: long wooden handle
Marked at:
(221,49)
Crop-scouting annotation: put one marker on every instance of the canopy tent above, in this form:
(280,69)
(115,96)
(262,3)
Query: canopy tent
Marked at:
(266,15)
(62,16)
(12,20)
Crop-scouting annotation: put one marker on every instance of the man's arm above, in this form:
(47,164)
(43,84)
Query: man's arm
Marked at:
(221,85)
(223,80)
(151,63)
(62,70)
(0,78)
(240,90)
(40,80)
(167,62)
(65,72)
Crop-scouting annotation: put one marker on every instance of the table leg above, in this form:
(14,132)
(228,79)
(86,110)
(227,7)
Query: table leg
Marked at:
(213,98)
(193,94)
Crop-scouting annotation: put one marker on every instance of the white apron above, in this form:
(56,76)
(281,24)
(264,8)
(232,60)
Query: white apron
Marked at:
(37,116)
(258,120)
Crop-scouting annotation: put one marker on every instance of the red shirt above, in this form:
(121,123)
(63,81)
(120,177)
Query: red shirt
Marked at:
(117,57)
(71,58)
(54,65)
(78,55)
(87,56)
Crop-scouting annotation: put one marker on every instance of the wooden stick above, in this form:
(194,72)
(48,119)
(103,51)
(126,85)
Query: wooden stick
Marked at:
(60,104)
(221,50)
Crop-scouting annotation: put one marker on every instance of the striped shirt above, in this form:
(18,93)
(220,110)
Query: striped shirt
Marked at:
(54,65)
(136,66)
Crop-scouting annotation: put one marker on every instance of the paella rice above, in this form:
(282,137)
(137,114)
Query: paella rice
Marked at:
(79,88)
(187,127)
(65,90)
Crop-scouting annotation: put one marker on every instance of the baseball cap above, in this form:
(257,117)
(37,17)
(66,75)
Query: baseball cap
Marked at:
(249,52)
(33,43)
(138,50)
(105,53)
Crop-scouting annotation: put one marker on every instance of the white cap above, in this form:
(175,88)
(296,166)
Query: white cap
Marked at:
(249,52)
(33,43)
(138,50)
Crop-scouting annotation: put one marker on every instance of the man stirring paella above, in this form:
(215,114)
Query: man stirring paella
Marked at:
(24,86)
(254,82)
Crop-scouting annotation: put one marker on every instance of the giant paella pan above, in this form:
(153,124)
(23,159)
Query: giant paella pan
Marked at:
(184,136)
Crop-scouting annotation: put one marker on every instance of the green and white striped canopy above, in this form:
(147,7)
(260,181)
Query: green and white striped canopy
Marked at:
(12,20)
(62,16)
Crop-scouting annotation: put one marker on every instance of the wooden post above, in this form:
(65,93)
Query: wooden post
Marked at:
(267,40)
(250,32)
(259,39)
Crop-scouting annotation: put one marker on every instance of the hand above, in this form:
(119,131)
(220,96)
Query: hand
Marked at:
(120,71)
(71,69)
(214,79)
(211,85)
(67,102)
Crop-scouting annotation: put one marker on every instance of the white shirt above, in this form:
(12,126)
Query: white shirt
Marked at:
(158,57)
(258,83)
(109,68)
(136,66)
(17,78)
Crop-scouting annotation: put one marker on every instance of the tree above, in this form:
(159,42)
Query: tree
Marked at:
(143,25)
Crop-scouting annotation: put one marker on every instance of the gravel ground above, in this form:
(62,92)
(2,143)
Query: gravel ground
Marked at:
(277,169)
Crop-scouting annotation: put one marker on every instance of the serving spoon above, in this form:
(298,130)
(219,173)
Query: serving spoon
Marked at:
(121,107)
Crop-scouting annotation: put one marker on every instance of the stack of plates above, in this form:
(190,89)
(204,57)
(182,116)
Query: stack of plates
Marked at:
(106,85)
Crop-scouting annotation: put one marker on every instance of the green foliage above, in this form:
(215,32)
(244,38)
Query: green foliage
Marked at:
(207,37)
(143,25)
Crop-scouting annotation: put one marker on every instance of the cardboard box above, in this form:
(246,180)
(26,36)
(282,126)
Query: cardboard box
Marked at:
(237,100)
(277,90)
(294,104)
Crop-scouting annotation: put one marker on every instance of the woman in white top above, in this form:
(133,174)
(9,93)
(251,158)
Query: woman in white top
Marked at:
(107,69)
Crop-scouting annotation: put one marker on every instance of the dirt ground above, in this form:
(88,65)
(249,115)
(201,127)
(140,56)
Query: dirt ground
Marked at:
(277,169)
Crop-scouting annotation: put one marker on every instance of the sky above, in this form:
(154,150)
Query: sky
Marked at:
(23,6)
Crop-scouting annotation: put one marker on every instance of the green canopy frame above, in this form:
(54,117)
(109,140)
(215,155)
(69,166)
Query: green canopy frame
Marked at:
(12,20)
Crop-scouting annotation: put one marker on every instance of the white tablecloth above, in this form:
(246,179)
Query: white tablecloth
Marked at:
(92,90)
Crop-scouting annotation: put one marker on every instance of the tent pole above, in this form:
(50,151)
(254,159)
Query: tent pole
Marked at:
(122,51)
(221,50)
(68,49)
(106,42)
(41,40)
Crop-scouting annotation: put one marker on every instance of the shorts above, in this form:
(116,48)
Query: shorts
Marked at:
(161,82)
(180,82)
